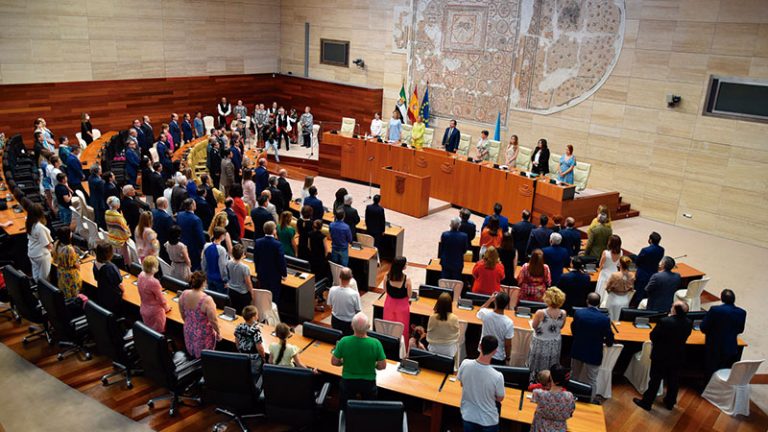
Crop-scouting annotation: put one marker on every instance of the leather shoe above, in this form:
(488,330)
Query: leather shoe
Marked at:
(639,402)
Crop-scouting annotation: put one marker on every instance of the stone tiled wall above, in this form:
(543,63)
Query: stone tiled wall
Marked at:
(80,40)
(666,162)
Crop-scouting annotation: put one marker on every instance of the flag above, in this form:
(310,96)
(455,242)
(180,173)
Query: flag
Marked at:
(497,133)
(425,106)
(413,105)
(403,96)
(401,105)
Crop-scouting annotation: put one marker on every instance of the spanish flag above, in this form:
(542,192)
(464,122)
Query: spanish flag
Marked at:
(413,105)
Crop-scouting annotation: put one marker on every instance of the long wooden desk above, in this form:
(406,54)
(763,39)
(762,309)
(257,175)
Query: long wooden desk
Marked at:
(92,153)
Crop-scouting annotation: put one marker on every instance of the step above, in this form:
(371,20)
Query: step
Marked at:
(627,214)
(624,207)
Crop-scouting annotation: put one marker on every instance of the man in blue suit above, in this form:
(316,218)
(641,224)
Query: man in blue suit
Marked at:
(163,154)
(269,259)
(451,138)
(521,231)
(98,200)
(191,232)
(175,130)
(556,257)
(662,286)
(453,246)
(315,203)
(503,221)
(539,236)
(571,237)
(161,224)
(647,263)
(132,162)
(186,129)
(722,325)
(261,177)
(375,220)
(75,175)
(590,328)
(260,215)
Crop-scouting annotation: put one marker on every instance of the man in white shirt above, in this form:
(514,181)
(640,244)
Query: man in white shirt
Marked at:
(345,302)
(376,125)
(495,323)
(482,388)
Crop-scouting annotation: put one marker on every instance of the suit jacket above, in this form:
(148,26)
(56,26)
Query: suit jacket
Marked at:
(317,207)
(571,240)
(647,263)
(192,235)
(132,209)
(157,184)
(503,222)
(110,189)
(96,188)
(227,172)
(451,142)
(173,128)
(132,162)
(557,258)
(539,239)
(285,188)
(661,290)
(375,221)
(453,246)
(598,240)
(261,178)
(352,219)
(178,195)
(75,174)
(470,229)
(669,337)
(576,286)
(277,199)
(203,211)
(259,216)
(233,226)
(722,325)
(237,158)
(521,232)
(161,224)
(543,167)
(148,136)
(269,259)
(186,129)
(590,328)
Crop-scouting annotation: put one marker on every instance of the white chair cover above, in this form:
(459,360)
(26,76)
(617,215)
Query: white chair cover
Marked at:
(164,267)
(208,123)
(692,295)
(391,328)
(267,309)
(521,346)
(461,352)
(315,133)
(605,374)
(335,272)
(728,389)
(456,285)
(96,134)
(365,240)
(638,372)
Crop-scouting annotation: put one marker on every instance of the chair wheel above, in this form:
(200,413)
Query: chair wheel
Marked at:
(30,330)
(104,382)
(172,412)
(88,356)
(218,427)
(24,341)
(151,405)
(129,385)
(60,357)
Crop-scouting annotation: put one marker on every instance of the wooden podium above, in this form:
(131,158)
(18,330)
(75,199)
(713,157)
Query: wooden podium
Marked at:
(405,193)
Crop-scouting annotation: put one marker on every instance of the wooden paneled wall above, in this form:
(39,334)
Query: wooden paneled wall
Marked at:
(114,104)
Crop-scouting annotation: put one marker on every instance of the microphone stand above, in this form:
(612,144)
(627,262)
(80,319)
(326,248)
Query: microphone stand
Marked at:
(370,183)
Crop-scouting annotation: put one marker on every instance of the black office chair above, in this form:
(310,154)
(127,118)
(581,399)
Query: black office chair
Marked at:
(630,315)
(373,416)
(231,385)
(26,304)
(135,268)
(432,361)
(70,333)
(514,377)
(581,391)
(173,370)
(321,287)
(390,344)
(172,284)
(290,395)
(533,305)
(325,334)
(109,335)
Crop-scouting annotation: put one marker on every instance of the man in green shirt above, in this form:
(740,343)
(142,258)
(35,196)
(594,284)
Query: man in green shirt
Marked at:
(360,356)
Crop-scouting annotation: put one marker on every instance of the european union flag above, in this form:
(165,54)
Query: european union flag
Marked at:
(497,133)
(425,107)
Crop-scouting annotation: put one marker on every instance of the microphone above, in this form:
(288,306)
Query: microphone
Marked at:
(371,158)
(681,256)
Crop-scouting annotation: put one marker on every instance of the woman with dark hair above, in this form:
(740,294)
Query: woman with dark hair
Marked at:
(339,201)
(397,305)
(67,263)
(508,258)
(554,405)
(308,182)
(39,242)
(177,252)
(491,235)
(540,158)
(304,226)
(619,288)
(567,165)
(443,329)
(609,264)
(318,251)
(86,130)
(236,192)
(109,290)
(198,311)
(534,277)
(488,273)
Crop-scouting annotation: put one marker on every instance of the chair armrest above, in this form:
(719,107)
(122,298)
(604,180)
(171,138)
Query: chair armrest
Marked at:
(322,394)
(188,368)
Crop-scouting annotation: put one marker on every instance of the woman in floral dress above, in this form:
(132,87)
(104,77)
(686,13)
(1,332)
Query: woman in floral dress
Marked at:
(534,277)
(553,406)
(67,264)
(546,341)
(198,310)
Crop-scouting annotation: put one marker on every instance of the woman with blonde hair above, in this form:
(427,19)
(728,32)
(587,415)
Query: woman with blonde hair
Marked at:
(221,220)
(513,150)
(287,234)
(146,238)
(619,287)
(488,273)
(534,277)
(154,306)
(547,324)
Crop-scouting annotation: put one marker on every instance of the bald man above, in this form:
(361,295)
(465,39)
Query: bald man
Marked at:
(132,207)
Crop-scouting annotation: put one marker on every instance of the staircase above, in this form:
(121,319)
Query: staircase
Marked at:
(625,210)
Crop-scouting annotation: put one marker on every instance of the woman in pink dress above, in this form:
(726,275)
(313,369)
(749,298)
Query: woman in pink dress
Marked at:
(167,131)
(154,307)
(397,306)
(146,237)
(198,310)
(534,277)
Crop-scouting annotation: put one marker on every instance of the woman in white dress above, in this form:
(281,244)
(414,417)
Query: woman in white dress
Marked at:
(609,264)
(308,182)
(376,125)
(620,287)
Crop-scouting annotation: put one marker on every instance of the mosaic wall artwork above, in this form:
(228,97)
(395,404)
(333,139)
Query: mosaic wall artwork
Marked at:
(481,57)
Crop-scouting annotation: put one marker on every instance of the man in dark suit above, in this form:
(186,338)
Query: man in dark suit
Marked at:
(571,237)
(203,210)
(662,286)
(503,221)
(722,325)
(179,194)
(75,175)
(375,220)
(539,237)
(467,226)
(556,257)
(260,215)
(453,246)
(132,162)
(164,157)
(132,207)
(351,217)
(155,180)
(451,138)
(269,259)
(148,135)
(140,138)
(192,233)
(175,130)
(261,176)
(647,263)
(668,356)
(98,200)
(576,285)
(285,188)
(277,197)
(233,224)
(161,224)
(590,328)
(521,231)
(315,203)
(186,129)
